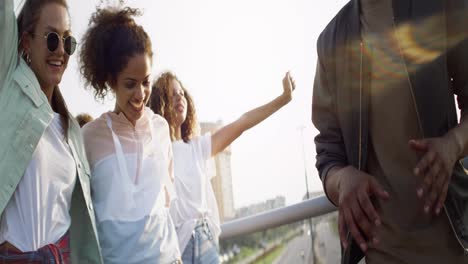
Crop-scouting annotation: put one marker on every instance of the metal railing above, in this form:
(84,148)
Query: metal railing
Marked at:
(307,209)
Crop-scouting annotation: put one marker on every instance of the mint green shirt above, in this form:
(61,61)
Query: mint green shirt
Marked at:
(24,116)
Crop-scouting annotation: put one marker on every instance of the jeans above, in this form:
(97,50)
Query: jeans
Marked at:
(201,249)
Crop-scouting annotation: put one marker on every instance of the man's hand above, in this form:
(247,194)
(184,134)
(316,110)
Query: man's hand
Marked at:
(356,210)
(435,167)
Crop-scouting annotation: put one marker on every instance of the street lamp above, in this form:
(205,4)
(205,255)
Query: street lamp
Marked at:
(301,128)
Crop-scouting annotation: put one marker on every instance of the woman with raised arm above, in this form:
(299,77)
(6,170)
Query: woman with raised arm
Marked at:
(129,148)
(45,203)
(194,212)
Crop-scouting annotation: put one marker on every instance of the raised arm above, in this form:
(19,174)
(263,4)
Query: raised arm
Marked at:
(227,134)
(8,40)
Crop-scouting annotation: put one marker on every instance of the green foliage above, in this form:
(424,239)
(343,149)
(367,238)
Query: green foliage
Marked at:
(271,256)
(244,253)
(253,243)
(259,239)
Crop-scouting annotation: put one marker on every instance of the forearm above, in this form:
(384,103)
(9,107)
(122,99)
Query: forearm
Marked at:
(457,65)
(227,134)
(8,39)
(459,137)
(7,22)
(331,184)
(6,7)
(257,115)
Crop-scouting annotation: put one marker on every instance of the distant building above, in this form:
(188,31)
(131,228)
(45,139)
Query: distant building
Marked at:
(277,202)
(220,166)
(313,195)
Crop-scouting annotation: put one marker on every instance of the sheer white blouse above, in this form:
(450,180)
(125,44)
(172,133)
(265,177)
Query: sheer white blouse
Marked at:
(131,166)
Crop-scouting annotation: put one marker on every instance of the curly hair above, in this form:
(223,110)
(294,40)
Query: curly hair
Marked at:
(161,103)
(83,119)
(111,40)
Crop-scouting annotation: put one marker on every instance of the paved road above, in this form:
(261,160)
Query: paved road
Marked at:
(297,251)
(327,245)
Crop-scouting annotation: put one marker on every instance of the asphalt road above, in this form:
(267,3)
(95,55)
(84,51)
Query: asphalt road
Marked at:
(326,247)
(327,244)
(297,251)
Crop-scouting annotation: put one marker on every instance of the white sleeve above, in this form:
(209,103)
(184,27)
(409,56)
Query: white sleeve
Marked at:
(8,40)
(204,143)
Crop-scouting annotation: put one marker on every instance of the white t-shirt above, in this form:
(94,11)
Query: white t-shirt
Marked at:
(195,196)
(130,166)
(38,212)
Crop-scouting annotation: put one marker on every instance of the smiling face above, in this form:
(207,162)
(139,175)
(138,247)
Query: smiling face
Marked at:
(48,66)
(179,103)
(133,87)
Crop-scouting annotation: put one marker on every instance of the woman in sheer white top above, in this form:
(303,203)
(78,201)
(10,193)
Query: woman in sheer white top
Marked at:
(129,148)
(195,212)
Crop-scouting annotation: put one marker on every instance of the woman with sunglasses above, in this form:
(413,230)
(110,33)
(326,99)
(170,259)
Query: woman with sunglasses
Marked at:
(195,212)
(128,148)
(45,203)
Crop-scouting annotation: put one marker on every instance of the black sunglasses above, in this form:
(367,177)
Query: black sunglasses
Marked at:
(53,38)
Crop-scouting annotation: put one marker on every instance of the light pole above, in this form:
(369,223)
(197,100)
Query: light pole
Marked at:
(301,128)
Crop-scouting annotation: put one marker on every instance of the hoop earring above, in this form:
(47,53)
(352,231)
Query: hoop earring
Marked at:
(28,59)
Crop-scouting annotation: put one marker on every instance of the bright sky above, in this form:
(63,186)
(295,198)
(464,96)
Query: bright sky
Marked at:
(232,56)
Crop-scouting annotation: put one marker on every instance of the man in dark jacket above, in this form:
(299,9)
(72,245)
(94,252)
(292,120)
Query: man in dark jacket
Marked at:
(389,141)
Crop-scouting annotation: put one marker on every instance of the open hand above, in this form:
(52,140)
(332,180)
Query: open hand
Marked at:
(289,86)
(356,210)
(435,167)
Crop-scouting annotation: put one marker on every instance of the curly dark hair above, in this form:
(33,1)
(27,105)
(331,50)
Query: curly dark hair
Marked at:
(161,103)
(111,40)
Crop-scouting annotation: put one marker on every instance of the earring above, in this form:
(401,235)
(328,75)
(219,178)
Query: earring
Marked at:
(28,59)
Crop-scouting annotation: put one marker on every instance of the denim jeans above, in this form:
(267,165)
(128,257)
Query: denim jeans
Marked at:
(201,249)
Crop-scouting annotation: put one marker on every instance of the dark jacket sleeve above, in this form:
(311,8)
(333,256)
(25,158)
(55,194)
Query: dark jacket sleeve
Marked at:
(457,45)
(329,142)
